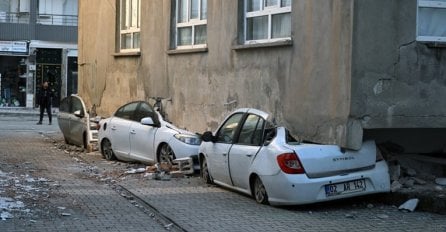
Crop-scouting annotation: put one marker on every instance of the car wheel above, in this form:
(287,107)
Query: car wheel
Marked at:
(260,192)
(205,172)
(165,154)
(107,151)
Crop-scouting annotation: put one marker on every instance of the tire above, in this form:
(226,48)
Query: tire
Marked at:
(165,154)
(259,191)
(107,151)
(204,171)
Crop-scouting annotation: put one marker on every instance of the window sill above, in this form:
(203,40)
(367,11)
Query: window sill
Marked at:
(122,54)
(185,51)
(263,45)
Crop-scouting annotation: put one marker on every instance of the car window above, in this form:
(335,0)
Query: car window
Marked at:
(127,111)
(227,131)
(251,132)
(65,105)
(144,110)
(76,104)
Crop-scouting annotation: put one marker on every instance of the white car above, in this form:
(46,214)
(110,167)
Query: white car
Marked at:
(74,121)
(249,154)
(136,132)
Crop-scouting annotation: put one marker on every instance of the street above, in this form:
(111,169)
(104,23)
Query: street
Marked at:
(46,185)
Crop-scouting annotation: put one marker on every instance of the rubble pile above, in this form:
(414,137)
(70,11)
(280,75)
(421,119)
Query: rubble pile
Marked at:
(18,192)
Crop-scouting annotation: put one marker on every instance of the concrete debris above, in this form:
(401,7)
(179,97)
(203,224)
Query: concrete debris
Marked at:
(349,215)
(394,171)
(65,214)
(396,185)
(411,172)
(382,216)
(409,205)
(419,181)
(409,183)
(438,188)
(168,226)
(370,206)
(6,215)
(441,181)
(135,170)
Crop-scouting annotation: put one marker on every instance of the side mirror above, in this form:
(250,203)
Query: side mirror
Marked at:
(78,113)
(148,121)
(208,137)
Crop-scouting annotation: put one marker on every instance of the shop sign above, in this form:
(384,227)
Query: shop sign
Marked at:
(13,46)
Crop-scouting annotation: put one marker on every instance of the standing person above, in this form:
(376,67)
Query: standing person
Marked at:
(44,101)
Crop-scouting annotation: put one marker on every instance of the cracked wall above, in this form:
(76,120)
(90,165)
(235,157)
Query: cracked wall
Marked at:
(397,82)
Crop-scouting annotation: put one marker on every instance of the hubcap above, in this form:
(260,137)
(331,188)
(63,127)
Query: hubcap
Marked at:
(166,154)
(260,191)
(107,150)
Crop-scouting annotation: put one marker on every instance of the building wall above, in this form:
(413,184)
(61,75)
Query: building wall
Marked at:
(306,85)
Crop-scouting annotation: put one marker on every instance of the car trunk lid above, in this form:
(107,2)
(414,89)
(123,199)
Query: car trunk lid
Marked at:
(327,160)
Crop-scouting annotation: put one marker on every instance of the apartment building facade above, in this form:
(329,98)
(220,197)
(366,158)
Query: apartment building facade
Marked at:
(38,42)
(336,71)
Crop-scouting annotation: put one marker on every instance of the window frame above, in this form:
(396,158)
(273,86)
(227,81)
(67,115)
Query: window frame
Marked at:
(268,11)
(190,22)
(433,4)
(132,30)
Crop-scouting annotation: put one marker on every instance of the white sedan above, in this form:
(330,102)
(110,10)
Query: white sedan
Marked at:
(249,154)
(136,132)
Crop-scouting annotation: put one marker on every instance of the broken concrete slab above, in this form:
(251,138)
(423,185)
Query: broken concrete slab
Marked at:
(396,185)
(409,205)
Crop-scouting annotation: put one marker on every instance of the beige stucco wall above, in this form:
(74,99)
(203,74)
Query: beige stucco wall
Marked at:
(306,85)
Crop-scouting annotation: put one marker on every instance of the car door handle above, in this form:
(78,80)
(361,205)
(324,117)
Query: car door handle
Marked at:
(132,132)
(249,155)
(224,154)
(113,128)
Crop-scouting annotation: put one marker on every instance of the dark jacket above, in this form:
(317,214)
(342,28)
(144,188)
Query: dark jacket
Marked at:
(45,97)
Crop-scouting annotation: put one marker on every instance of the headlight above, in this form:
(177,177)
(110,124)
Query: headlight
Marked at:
(189,139)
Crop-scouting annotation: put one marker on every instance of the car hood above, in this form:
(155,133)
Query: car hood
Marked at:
(173,127)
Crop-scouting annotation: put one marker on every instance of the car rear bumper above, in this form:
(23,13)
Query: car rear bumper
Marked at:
(295,189)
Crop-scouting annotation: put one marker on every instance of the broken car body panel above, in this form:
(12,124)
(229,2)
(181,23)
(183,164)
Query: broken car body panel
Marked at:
(74,121)
(139,133)
(247,146)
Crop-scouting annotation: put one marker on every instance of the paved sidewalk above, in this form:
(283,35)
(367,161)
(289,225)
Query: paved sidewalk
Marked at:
(72,201)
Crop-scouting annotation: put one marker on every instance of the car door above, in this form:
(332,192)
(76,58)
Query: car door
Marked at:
(63,118)
(245,149)
(219,150)
(142,137)
(120,129)
(77,124)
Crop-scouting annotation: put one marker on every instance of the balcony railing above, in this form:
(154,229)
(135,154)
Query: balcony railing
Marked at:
(46,19)
(14,17)
(54,19)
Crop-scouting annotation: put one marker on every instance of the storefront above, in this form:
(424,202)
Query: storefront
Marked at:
(24,66)
(13,73)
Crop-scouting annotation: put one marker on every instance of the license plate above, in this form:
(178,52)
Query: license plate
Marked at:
(345,188)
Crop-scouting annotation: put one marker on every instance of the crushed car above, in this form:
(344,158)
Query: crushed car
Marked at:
(251,154)
(137,132)
(77,126)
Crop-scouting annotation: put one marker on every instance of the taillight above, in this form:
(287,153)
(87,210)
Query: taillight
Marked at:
(290,163)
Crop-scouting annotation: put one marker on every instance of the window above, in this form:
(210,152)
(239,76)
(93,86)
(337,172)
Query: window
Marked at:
(227,131)
(191,24)
(129,28)
(127,111)
(267,20)
(431,18)
(251,132)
